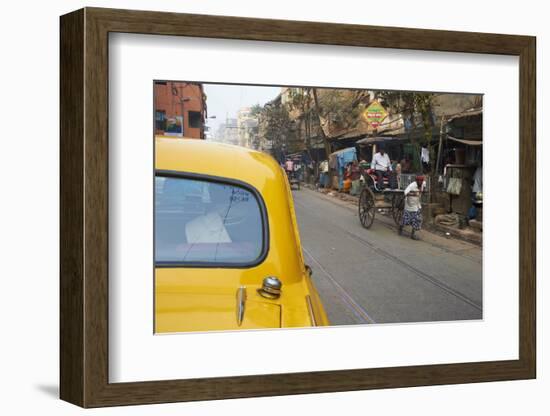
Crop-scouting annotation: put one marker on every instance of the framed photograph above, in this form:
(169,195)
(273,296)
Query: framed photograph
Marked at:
(255,207)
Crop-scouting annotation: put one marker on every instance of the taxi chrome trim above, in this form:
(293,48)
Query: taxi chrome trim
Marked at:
(310,310)
(271,287)
(241,304)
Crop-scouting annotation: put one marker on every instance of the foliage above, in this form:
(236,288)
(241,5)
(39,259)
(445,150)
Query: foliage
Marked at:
(278,128)
(301,107)
(256,109)
(416,107)
(413,106)
(313,107)
(300,99)
(343,108)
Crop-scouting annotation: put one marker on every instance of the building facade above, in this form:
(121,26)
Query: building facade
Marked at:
(227,132)
(247,127)
(180,109)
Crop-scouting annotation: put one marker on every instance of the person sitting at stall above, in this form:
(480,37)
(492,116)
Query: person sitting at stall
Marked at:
(406,164)
(355,176)
(397,171)
(412,213)
(346,183)
(382,166)
(323,174)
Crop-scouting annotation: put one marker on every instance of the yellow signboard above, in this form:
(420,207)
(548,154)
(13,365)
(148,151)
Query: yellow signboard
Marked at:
(374,114)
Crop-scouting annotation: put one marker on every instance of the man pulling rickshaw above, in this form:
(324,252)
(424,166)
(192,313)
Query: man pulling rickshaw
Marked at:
(412,210)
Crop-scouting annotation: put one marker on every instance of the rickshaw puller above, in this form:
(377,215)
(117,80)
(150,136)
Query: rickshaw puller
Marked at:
(412,213)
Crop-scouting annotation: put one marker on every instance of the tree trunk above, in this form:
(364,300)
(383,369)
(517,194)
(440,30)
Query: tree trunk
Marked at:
(328,147)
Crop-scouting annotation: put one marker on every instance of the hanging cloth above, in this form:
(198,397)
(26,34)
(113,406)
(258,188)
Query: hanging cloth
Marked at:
(425,155)
(454,187)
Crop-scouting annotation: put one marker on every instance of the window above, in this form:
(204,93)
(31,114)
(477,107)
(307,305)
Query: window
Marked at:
(160,120)
(199,221)
(195,119)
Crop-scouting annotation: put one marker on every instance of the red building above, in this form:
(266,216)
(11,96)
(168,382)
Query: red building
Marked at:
(180,109)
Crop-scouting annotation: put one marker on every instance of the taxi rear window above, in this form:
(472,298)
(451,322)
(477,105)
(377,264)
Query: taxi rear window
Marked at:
(207,223)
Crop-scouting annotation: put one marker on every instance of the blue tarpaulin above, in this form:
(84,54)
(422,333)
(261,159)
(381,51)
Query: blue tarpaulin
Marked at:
(343,157)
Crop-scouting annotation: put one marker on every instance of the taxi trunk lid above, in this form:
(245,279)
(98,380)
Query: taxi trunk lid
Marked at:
(197,309)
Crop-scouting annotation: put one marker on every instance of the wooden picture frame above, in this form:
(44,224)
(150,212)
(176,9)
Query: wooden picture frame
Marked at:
(84,207)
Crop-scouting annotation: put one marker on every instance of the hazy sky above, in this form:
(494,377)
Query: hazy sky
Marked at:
(225,101)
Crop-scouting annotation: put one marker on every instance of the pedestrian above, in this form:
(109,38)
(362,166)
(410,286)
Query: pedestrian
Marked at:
(289,167)
(297,171)
(381,164)
(412,213)
(323,174)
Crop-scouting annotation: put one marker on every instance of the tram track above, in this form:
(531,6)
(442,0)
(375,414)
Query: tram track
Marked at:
(390,225)
(417,272)
(358,310)
(459,253)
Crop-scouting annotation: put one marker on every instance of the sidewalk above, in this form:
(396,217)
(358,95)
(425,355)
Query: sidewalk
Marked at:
(467,234)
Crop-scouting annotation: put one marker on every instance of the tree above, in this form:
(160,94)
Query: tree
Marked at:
(300,102)
(342,107)
(328,147)
(413,106)
(278,128)
(339,109)
(256,109)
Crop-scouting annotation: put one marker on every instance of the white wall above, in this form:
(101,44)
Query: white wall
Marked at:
(29,207)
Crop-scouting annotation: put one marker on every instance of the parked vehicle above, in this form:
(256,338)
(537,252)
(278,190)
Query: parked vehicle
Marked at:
(227,248)
(293,179)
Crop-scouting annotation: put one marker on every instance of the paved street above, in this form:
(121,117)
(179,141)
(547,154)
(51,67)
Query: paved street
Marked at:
(376,276)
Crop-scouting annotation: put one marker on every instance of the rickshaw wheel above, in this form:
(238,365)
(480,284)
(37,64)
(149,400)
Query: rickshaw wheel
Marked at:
(369,182)
(366,207)
(398,205)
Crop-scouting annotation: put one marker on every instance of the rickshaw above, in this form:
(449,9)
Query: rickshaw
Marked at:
(371,198)
(294,175)
(293,179)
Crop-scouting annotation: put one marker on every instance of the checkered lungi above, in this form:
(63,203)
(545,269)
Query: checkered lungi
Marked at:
(412,218)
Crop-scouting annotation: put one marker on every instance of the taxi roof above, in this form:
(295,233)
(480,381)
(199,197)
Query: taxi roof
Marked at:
(216,159)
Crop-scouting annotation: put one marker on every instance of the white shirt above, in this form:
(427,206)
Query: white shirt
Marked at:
(425,155)
(478,181)
(412,203)
(381,162)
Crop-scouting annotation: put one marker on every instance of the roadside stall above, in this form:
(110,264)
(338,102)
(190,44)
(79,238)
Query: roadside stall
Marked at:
(338,162)
(459,166)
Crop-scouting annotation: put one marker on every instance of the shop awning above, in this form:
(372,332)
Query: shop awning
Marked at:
(468,113)
(471,142)
(347,150)
(378,139)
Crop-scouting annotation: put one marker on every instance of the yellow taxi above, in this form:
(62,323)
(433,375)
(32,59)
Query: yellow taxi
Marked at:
(227,248)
